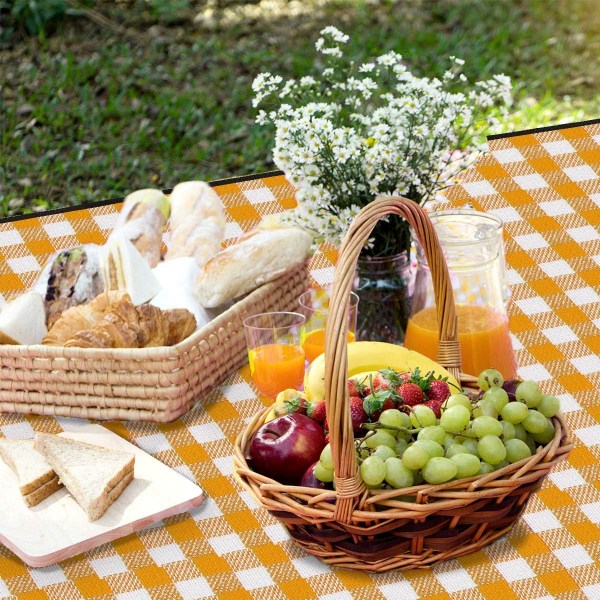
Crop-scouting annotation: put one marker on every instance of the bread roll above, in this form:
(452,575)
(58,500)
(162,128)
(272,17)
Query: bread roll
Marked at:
(142,220)
(197,222)
(257,258)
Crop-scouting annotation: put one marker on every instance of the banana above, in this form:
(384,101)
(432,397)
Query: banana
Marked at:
(372,356)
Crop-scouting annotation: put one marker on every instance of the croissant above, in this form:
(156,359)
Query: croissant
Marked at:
(78,318)
(129,326)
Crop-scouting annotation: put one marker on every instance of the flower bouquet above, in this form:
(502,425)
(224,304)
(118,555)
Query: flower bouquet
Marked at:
(357,131)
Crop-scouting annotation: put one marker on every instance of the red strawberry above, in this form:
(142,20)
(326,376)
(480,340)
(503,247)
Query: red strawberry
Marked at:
(357,412)
(387,379)
(435,406)
(357,387)
(411,393)
(438,390)
(375,403)
(380,383)
(297,404)
(316,410)
(389,403)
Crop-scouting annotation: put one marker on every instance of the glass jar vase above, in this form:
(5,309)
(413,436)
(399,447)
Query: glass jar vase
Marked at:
(384,286)
(473,247)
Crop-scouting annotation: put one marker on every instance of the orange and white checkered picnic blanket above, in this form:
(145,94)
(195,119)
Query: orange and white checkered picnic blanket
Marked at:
(546,188)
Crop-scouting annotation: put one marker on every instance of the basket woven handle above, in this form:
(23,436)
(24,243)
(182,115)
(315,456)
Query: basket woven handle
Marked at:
(348,483)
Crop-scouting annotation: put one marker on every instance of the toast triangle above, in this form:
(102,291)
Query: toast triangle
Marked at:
(37,479)
(95,476)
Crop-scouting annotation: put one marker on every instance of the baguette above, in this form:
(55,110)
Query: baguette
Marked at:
(197,222)
(257,258)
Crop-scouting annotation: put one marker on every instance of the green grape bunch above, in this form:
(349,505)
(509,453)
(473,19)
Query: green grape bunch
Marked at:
(475,435)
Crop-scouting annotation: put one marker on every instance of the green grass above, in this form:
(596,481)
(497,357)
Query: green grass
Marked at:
(91,113)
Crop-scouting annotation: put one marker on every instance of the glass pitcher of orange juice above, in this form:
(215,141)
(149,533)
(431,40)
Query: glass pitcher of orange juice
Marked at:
(472,245)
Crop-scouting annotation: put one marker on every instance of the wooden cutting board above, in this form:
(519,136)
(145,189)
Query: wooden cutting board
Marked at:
(58,528)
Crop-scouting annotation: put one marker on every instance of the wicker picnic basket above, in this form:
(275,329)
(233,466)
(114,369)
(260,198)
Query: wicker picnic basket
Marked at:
(138,384)
(379,530)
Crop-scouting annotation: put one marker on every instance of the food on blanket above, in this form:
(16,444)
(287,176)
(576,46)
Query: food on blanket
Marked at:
(37,479)
(129,326)
(256,258)
(72,277)
(408,443)
(23,320)
(374,356)
(94,476)
(197,222)
(284,448)
(124,268)
(142,220)
(78,318)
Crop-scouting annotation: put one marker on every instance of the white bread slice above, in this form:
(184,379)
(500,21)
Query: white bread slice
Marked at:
(43,492)
(95,476)
(37,479)
(23,321)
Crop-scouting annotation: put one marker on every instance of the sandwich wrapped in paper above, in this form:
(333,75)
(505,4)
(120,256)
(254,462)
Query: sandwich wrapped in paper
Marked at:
(71,277)
(124,269)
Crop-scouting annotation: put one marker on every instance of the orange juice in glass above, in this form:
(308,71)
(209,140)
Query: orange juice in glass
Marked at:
(474,252)
(275,351)
(314,305)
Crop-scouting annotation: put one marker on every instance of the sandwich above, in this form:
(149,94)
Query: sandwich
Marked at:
(23,321)
(142,220)
(94,476)
(72,277)
(37,479)
(124,269)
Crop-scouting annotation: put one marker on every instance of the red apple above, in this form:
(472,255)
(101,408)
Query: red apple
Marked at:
(286,446)
(309,479)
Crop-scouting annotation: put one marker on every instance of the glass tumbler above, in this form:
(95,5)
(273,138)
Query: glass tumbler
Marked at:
(473,247)
(275,351)
(314,305)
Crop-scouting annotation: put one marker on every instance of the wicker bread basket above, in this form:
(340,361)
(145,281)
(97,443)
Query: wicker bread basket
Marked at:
(141,384)
(379,530)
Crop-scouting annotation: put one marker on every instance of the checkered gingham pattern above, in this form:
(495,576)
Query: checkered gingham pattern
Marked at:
(545,187)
